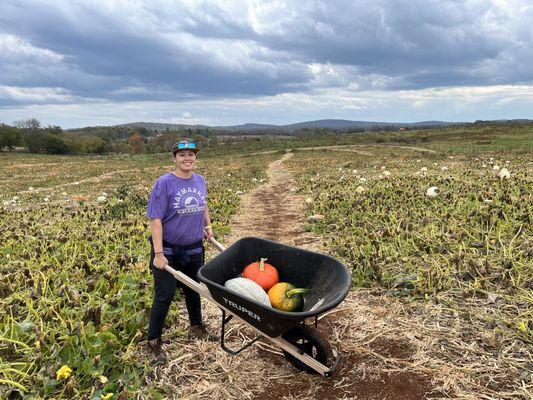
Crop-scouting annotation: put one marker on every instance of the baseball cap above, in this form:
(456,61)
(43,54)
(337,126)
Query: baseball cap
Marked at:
(185,145)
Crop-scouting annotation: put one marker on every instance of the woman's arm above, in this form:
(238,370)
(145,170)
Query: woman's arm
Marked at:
(157,237)
(208,232)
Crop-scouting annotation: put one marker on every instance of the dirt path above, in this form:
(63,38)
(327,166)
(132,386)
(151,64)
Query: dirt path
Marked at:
(272,212)
(350,148)
(409,148)
(34,165)
(333,147)
(107,175)
(98,178)
(378,362)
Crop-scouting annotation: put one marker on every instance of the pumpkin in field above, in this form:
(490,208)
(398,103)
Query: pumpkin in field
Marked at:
(286,297)
(248,288)
(262,273)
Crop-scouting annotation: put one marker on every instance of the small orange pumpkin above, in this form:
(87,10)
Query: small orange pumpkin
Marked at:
(262,273)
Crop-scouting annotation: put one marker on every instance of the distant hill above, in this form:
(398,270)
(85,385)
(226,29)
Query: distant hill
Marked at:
(333,124)
(156,126)
(343,123)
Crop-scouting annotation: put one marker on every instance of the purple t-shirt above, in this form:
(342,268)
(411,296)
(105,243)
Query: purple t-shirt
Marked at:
(180,204)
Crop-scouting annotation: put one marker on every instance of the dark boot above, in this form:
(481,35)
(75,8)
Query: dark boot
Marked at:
(199,331)
(158,356)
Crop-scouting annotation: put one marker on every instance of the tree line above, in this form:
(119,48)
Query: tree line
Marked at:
(29,135)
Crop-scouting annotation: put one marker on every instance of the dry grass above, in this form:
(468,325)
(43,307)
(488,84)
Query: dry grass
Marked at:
(383,335)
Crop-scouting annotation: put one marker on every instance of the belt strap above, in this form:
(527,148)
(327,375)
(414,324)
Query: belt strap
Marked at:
(180,252)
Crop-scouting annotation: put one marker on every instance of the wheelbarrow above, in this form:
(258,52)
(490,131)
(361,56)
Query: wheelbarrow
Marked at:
(328,282)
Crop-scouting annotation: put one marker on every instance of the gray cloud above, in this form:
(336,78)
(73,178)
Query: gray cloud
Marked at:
(103,53)
(399,39)
(133,51)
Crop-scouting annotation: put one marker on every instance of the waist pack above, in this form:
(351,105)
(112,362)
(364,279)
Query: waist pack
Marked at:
(180,255)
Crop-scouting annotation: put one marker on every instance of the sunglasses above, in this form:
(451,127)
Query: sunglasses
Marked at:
(183,146)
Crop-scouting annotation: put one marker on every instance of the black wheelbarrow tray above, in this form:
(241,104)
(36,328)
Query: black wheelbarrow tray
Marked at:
(328,282)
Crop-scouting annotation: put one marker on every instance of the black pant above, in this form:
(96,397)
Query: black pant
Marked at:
(165,288)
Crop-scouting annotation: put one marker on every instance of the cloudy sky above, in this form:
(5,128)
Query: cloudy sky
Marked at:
(88,62)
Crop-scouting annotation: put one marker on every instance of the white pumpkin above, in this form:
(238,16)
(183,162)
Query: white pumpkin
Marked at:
(248,288)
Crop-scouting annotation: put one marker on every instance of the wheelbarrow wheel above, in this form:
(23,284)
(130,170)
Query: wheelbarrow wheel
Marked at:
(311,342)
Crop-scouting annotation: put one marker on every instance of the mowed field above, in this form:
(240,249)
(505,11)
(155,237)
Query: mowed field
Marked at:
(440,222)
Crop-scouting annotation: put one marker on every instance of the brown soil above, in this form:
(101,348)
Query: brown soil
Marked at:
(353,382)
(358,376)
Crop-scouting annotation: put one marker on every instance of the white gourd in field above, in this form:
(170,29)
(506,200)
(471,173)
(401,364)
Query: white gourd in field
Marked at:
(433,191)
(504,173)
(248,288)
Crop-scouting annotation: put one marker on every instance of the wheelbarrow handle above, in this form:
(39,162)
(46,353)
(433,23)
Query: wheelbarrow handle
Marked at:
(220,247)
(187,281)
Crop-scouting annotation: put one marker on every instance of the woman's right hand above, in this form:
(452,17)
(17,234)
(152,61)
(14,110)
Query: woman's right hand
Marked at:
(160,261)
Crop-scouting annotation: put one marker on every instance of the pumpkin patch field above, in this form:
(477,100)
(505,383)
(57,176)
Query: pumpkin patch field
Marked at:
(443,224)
(75,286)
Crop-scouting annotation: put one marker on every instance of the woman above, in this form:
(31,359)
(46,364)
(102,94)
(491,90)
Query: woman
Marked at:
(179,221)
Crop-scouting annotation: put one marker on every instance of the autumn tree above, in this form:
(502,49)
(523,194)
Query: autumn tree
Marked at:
(136,143)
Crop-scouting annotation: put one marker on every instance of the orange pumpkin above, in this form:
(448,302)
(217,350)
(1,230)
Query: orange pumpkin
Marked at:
(262,273)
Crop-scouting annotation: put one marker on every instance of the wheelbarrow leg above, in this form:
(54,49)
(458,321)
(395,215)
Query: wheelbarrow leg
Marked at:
(336,360)
(225,320)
